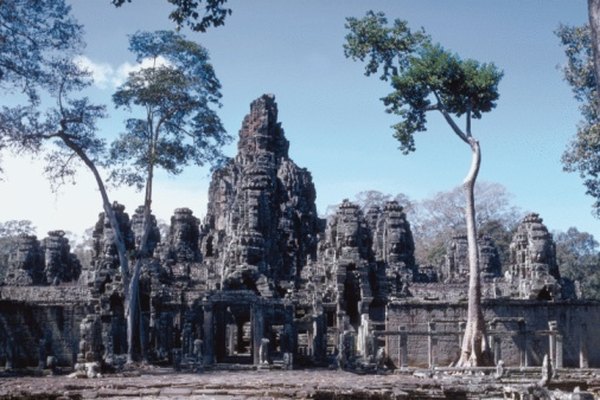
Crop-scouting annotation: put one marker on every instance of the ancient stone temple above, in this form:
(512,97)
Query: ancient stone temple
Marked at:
(262,280)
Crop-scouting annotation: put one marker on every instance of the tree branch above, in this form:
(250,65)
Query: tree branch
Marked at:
(441,108)
(455,127)
(469,123)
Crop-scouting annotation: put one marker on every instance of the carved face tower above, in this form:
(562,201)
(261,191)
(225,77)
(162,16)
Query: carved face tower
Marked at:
(533,260)
(262,220)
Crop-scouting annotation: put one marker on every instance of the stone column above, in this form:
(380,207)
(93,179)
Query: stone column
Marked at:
(583,350)
(403,347)
(233,336)
(524,343)
(258,332)
(209,345)
(494,341)
(559,351)
(319,343)
(552,342)
(461,328)
(240,338)
(431,344)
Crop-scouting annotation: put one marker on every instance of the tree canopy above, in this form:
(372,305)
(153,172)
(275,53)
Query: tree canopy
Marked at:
(425,77)
(583,152)
(34,36)
(578,257)
(174,103)
(189,12)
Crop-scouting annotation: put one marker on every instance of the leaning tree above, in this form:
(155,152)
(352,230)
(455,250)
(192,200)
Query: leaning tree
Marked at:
(38,42)
(425,78)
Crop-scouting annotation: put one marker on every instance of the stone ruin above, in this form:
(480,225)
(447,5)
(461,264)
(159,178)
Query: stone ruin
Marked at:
(46,262)
(262,280)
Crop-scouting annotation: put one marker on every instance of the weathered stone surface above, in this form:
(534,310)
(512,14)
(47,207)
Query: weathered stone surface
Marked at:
(48,262)
(137,227)
(262,222)
(394,247)
(183,238)
(25,263)
(533,266)
(104,250)
(456,266)
(60,265)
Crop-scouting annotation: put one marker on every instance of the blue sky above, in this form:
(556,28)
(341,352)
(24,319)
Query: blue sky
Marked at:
(331,112)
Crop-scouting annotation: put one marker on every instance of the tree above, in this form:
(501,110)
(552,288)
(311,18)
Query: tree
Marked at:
(34,36)
(374,198)
(39,40)
(187,11)
(425,77)
(582,72)
(435,220)
(16,228)
(579,259)
(594,18)
(175,125)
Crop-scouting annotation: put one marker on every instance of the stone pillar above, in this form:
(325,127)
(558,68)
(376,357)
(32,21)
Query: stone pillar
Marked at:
(460,330)
(524,343)
(209,355)
(319,342)
(552,343)
(310,337)
(258,332)
(403,347)
(494,341)
(10,352)
(431,344)
(583,350)
(232,336)
(559,351)
(363,335)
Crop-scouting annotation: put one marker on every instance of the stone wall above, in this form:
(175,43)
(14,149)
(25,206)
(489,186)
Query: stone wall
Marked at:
(30,332)
(510,322)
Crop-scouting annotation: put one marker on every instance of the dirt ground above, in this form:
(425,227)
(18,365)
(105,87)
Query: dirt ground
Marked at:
(267,384)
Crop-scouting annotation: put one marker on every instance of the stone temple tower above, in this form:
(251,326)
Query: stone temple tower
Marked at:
(262,224)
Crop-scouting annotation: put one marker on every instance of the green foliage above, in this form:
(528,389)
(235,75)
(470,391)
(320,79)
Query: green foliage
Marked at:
(39,41)
(188,12)
(437,79)
(583,152)
(578,258)
(385,47)
(34,36)
(579,70)
(175,97)
(425,77)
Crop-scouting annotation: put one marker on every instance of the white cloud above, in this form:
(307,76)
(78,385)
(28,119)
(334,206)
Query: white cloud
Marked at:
(102,73)
(106,76)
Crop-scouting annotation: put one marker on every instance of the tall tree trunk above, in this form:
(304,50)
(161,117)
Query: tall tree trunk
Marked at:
(594,20)
(133,311)
(119,241)
(475,350)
